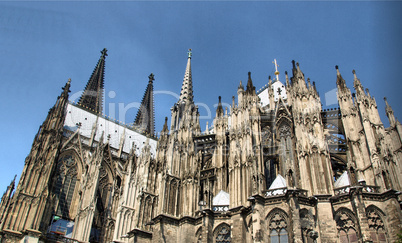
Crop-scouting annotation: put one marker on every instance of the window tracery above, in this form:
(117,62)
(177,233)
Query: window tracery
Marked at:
(376,226)
(66,172)
(346,227)
(223,234)
(278,228)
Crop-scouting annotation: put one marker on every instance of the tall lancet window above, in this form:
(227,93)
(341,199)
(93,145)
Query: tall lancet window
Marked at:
(66,173)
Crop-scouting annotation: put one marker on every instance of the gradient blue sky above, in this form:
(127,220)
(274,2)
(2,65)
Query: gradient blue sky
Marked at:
(42,44)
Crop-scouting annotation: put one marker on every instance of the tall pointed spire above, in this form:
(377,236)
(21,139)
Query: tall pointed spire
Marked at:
(186,93)
(92,97)
(145,119)
(250,87)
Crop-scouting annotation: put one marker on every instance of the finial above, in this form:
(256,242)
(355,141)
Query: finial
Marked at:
(354,74)
(249,75)
(293,63)
(220,98)
(104,52)
(337,70)
(386,102)
(189,53)
(151,77)
(69,81)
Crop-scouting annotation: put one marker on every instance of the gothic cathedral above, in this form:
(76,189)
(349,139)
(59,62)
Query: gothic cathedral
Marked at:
(274,168)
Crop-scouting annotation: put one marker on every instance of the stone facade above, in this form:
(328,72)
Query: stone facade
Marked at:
(275,168)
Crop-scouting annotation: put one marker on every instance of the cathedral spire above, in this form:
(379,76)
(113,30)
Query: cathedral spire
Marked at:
(165,128)
(145,119)
(92,97)
(186,93)
(250,87)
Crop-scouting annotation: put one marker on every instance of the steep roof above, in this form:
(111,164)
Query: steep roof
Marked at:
(221,199)
(279,182)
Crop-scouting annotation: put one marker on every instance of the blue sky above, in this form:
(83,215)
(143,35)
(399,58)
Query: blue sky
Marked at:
(42,44)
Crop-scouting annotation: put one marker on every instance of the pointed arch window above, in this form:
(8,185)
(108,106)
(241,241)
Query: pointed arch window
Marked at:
(278,229)
(198,235)
(223,234)
(376,226)
(346,225)
(66,174)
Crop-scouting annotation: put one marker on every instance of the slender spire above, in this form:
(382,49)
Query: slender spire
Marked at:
(165,128)
(250,87)
(219,109)
(92,97)
(186,93)
(356,83)
(145,119)
(240,86)
(339,80)
(390,113)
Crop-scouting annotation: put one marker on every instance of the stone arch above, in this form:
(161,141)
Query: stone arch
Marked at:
(278,222)
(346,224)
(198,235)
(377,227)
(222,233)
(307,223)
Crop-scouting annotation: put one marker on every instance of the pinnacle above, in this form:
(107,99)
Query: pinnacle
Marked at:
(145,118)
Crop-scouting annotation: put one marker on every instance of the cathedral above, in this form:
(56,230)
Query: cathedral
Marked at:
(275,167)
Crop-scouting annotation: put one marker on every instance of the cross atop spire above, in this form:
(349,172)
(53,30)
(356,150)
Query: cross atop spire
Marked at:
(145,119)
(186,93)
(92,97)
